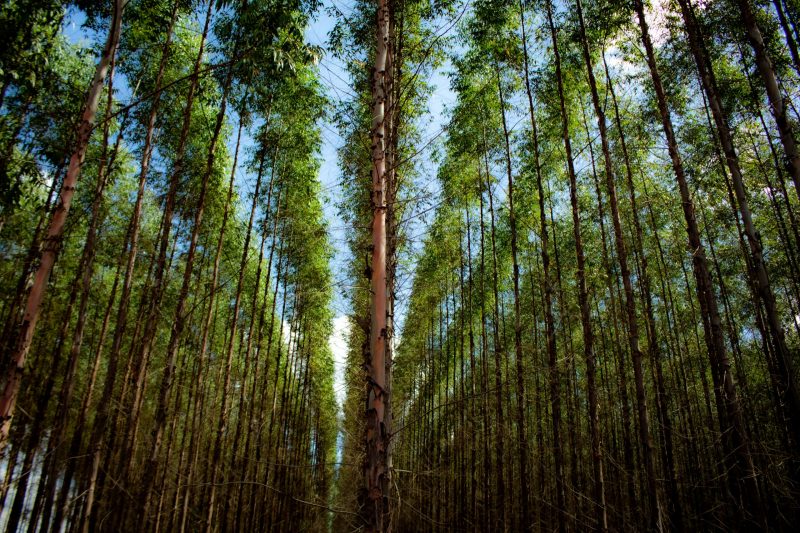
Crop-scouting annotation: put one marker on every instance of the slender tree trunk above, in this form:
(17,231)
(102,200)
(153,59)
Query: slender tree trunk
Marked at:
(522,436)
(499,351)
(77,436)
(223,419)
(101,420)
(378,511)
(237,464)
(776,100)
(473,366)
(52,242)
(179,320)
(662,399)
(583,302)
(487,458)
(758,272)
(83,281)
(654,512)
(141,359)
(207,323)
(555,400)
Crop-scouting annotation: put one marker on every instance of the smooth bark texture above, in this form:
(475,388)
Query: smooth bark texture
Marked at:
(52,240)
(758,270)
(377,512)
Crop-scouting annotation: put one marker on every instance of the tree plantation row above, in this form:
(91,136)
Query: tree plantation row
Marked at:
(600,323)
(177,348)
(563,241)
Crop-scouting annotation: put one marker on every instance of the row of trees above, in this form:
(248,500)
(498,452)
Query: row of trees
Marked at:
(164,337)
(603,323)
(598,330)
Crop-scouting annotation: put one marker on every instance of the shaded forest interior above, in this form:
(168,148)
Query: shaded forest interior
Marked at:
(399,265)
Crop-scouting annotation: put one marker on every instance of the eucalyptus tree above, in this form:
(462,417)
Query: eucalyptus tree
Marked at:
(180,375)
(413,48)
(183,163)
(56,227)
(755,254)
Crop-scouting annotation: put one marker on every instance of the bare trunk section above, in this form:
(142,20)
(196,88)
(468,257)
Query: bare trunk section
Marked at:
(776,99)
(654,350)
(498,347)
(654,512)
(377,514)
(52,241)
(758,273)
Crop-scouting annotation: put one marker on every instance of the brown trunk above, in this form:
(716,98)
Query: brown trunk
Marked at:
(378,510)
(776,100)
(280,279)
(270,329)
(654,512)
(237,464)
(484,350)
(555,400)
(141,358)
(522,436)
(83,282)
(11,312)
(207,322)
(179,320)
(77,436)
(52,241)
(473,366)
(758,273)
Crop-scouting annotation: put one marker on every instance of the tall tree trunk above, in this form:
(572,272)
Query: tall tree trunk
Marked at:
(223,419)
(654,345)
(499,353)
(101,421)
(612,286)
(378,511)
(758,270)
(61,503)
(83,281)
(207,323)
(11,314)
(654,512)
(583,302)
(522,436)
(484,349)
(555,400)
(776,100)
(52,241)
(179,320)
